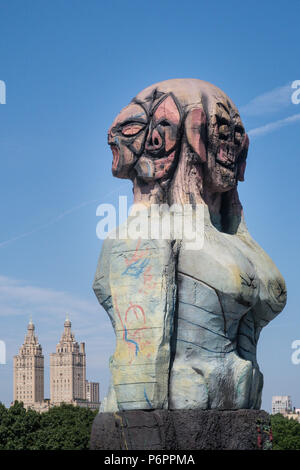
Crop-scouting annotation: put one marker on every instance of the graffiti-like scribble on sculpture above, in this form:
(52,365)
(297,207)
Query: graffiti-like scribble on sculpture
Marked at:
(187,322)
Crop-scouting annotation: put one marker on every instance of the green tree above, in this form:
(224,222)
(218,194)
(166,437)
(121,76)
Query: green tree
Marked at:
(17,427)
(286,433)
(65,427)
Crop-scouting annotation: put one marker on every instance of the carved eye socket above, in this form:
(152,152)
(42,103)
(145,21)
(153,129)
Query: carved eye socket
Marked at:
(224,132)
(238,133)
(132,128)
(223,127)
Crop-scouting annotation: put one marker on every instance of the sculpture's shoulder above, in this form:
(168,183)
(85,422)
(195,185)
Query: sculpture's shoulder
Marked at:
(139,260)
(103,261)
(101,284)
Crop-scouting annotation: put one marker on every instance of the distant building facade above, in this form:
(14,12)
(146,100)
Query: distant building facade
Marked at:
(68,369)
(281,404)
(68,382)
(92,392)
(29,371)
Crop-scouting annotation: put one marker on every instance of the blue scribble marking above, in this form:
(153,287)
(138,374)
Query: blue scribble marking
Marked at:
(131,341)
(136,268)
(147,399)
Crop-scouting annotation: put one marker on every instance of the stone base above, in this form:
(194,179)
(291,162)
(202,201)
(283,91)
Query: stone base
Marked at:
(182,430)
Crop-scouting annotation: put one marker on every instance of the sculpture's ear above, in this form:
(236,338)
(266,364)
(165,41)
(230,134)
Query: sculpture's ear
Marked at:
(195,130)
(242,159)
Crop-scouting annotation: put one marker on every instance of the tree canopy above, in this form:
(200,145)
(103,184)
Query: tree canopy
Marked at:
(64,427)
(286,433)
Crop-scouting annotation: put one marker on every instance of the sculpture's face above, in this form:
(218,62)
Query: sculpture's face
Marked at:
(227,147)
(144,138)
(126,138)
(147,137)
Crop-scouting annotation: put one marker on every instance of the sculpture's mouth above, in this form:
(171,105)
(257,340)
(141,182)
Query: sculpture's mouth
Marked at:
(116,156)
(226,159)
(227,164)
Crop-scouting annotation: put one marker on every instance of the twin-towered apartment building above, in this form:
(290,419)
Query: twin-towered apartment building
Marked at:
(68,382)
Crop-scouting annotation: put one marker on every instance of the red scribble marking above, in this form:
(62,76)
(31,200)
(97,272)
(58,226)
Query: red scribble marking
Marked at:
(118,312)
(137,254)
(147,275)
(149,283)
(138,330)
(137,333)
(135,308)
(148,278)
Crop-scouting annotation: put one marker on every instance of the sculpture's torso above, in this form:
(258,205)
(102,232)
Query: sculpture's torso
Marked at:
(227,292)
(217,298)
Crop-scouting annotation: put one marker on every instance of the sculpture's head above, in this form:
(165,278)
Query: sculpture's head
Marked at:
(175,120)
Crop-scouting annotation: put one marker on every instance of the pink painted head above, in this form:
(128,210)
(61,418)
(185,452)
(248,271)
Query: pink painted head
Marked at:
(180,120)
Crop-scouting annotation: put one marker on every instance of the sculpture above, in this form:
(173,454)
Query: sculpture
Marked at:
(187,322)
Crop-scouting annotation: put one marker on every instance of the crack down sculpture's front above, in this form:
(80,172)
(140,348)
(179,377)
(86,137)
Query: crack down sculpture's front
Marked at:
(187,321)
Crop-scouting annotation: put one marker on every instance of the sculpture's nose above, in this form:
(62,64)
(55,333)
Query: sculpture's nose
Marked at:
(154,141)
(110,139)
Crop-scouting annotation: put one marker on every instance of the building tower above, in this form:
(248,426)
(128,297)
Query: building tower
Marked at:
(29,371)
(68,370)
(92,392)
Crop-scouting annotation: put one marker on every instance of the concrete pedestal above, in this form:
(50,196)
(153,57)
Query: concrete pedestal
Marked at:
(182,430)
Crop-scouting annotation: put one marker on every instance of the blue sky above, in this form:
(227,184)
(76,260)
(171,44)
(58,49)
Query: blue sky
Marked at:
(69,67)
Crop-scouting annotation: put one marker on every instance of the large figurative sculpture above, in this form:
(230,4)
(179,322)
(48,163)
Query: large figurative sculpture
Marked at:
(187,321)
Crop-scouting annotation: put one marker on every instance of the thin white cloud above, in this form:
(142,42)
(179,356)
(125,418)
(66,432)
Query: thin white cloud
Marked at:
(48,307)
(269,102)
(273,126)
(55,220)
(19,297)
(47,224)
